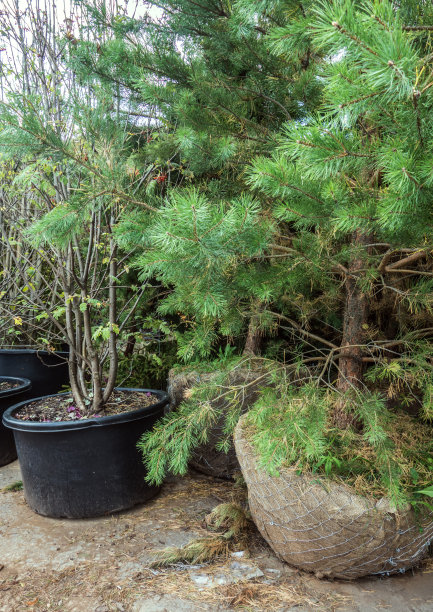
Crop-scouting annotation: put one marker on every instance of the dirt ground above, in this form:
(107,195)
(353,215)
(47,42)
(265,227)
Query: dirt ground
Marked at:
(103,565)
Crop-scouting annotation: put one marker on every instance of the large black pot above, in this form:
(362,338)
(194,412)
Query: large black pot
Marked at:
(47,371)
(8,398)
(86,468)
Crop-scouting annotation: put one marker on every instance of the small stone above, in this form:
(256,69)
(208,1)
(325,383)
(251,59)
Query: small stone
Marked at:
(200,579)
(237,572)
(244,571)
(275,574)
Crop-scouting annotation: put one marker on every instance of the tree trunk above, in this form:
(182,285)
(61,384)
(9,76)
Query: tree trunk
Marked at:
(254,339)
(114,329)
(353,339)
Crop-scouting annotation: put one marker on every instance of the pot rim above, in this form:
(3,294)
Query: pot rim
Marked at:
(25,385)
(11,422)
(28,351)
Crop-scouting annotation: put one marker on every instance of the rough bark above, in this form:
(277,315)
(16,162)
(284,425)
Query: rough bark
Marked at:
(353,338)
(254,338)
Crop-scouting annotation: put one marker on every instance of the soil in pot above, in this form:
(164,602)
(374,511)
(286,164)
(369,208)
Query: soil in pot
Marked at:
(61,408)
(5,385)
(12,390)
(85,467)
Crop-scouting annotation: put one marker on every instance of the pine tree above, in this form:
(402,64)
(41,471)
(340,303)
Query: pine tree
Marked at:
(345,199)
(222,90)
(354,182)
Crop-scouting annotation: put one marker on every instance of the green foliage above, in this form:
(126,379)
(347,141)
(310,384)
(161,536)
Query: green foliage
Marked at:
(390,455)
(377,120)
(359,167)
(241,104)
(410,378)
(219,401)
(77,173)
(169,446)
(221,98)
(297,422)
(428,492)
(207,253)
(195,245)
(148,365)
(58,227)
(14,486)
(278,135)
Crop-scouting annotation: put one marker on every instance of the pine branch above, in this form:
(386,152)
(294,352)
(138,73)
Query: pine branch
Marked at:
(127,198)
(416,94)
(410,177)
(407,260)
(295,188)
(418,28)
(381,22)
(303,331)
(361,99)
(418,272)
(353,37)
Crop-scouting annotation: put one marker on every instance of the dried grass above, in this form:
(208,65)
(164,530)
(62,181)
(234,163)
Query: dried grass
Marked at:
(410,437)
(179,506)
(14,486)
(50,591)
(201,550)
(266,597)
(234,523)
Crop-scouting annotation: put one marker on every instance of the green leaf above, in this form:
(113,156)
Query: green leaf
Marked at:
(428,491)
(58,312)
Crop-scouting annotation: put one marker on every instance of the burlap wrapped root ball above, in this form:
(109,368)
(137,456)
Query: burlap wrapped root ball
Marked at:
(324,527)
(206,458)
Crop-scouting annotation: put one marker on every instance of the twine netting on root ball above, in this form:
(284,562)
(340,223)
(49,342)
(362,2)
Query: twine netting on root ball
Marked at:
(324,527)
(236,389)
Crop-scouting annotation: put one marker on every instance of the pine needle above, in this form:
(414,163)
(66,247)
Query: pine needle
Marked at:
(230,517)
(201,550)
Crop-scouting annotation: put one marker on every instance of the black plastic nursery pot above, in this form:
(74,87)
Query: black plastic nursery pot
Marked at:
(85,468)
(47,371)
(9,397)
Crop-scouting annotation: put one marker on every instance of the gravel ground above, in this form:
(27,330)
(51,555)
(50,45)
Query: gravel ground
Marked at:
(103,565)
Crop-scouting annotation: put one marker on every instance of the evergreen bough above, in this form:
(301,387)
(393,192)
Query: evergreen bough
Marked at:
(349,189)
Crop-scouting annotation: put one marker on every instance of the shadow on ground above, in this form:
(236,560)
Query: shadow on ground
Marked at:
(103,565)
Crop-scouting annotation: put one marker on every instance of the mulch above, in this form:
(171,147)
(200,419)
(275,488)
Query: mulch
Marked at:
(62,408)
(6,385)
